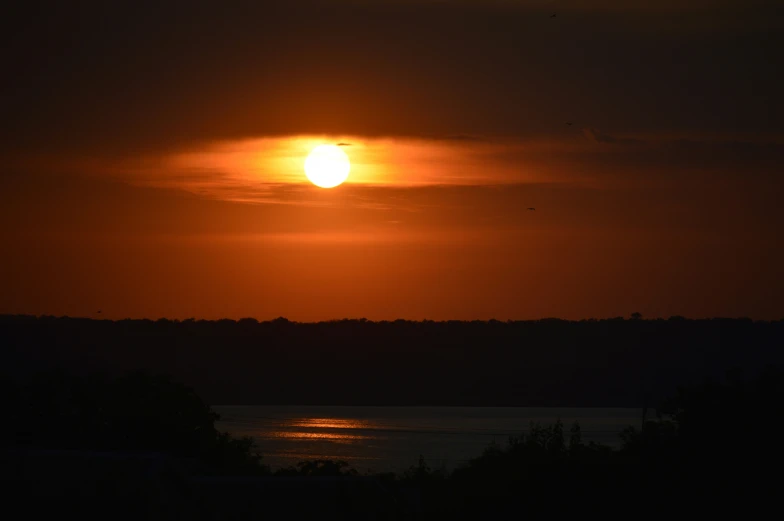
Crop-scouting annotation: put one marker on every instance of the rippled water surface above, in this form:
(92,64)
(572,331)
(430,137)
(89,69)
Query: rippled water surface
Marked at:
(392,438)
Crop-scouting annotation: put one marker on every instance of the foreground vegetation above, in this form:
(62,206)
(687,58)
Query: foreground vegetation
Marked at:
(713,453)
(135,412)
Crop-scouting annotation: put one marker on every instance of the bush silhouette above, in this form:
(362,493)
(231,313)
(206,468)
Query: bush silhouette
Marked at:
(134,412)
(319,467)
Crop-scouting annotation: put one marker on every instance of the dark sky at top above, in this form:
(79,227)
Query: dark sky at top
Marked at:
(119,75)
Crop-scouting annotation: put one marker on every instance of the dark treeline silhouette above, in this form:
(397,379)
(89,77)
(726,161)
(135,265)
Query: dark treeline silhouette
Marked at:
(614,362)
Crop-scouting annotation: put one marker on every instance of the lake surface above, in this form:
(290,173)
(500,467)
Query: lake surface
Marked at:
(381,439)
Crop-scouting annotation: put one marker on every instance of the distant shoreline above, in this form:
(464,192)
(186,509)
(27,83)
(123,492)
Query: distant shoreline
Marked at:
(613,363)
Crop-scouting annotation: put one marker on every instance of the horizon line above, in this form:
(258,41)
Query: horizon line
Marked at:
(281,319)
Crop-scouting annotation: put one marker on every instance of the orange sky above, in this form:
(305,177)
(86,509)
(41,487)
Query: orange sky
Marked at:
(170,183)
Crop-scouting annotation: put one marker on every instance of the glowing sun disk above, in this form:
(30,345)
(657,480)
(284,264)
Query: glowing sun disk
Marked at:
(327,166)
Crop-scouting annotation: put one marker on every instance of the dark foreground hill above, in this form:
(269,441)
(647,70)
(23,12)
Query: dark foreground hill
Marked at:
(550,362)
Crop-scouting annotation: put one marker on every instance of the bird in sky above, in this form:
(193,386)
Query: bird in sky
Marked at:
(531,208)
(569,123)
(552,15)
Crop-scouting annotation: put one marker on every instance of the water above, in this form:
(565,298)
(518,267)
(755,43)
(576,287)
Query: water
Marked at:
(382,439)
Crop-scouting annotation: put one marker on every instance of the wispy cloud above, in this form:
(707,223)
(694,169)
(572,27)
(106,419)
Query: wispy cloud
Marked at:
(270,170)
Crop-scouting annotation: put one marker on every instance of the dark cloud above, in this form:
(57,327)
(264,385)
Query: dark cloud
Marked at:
(123,77)
(744,156)
(681,159)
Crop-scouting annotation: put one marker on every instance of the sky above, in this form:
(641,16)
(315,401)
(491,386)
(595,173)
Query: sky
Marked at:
(152,159)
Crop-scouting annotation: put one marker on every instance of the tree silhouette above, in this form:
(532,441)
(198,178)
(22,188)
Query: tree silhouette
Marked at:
(134,412)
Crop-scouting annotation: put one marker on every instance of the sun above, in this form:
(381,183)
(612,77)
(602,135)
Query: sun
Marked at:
(327,166)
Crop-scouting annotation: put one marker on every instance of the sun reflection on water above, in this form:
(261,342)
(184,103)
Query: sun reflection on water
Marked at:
(334,430)
(331,423)
(329,436)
